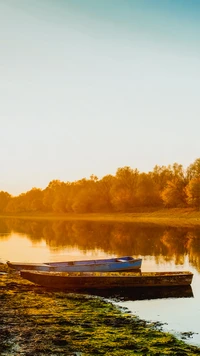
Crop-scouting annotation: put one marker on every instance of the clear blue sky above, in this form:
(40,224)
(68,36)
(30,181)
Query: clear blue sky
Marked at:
(88,86)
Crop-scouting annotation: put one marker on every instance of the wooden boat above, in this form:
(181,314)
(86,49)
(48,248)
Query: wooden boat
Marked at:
(101,265)
(106,280)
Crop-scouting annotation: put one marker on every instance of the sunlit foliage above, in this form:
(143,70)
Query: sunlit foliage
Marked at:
(193,192)
(4,200)
(126,191)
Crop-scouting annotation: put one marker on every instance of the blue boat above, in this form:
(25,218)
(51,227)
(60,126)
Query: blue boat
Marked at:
(125,263)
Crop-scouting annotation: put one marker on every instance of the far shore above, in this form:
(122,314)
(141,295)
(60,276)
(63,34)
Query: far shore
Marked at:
(169,217)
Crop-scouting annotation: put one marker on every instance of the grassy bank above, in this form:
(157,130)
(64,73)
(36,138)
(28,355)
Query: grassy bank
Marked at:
(35,321)
(170,217)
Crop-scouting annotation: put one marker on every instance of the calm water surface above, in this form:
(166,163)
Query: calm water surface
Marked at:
(162,249)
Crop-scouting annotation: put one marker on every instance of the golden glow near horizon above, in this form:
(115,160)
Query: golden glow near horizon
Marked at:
(19,248)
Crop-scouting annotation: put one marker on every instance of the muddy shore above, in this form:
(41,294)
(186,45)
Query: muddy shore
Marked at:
(37,322)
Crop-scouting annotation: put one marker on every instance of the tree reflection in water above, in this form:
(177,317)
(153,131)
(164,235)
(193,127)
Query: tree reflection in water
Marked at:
(163,243)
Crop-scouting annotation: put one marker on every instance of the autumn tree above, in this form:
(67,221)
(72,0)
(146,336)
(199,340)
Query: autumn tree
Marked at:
(4,200)
(193,171)
(104,188)
(87,198)
(193,192)
(34,200)
(174,194)
(124,191)
(55,196)
(147,191)
(161,175)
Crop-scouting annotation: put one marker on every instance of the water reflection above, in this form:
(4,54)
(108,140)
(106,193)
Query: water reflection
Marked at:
(162,248)
(123,294)
(165,244)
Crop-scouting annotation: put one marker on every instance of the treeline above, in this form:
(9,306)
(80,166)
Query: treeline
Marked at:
(126,191)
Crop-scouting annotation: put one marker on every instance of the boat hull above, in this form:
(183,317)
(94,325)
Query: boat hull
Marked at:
(78,281)
(107,265)
(29,266)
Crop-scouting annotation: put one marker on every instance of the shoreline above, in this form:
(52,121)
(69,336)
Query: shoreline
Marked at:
(166,217)
(36,321)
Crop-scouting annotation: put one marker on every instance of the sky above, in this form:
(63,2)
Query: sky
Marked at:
(90,86)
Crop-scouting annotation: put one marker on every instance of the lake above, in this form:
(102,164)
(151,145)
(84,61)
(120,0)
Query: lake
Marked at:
(162,249)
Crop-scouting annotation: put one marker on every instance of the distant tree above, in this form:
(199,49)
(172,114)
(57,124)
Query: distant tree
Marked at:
(193,171)
(147,191)
(178,171)
(4,200)
(59,204)
(193,192)
(124,191)
(94,178)
(33,200)
(87,198)
(51,193)
(26,202)
(174,194)
(104,187)
(11,206)
(161,175)
(82,203)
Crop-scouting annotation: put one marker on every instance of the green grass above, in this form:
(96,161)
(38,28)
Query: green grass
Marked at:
(35,321)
